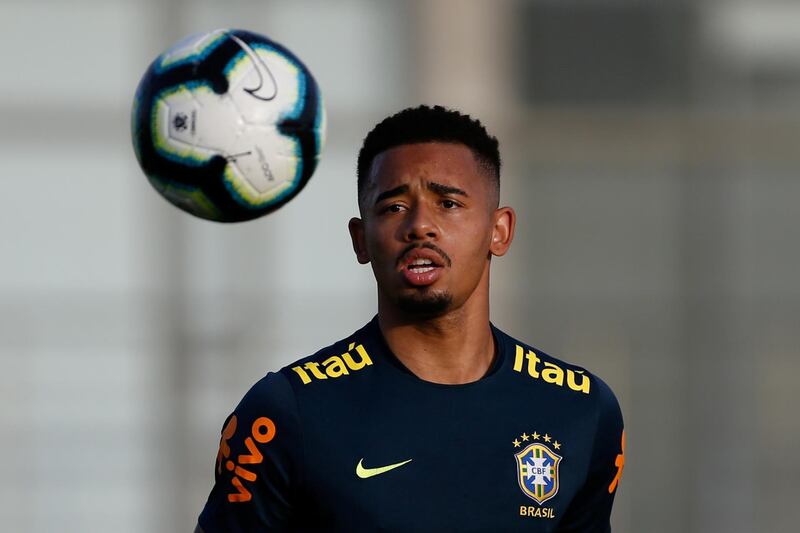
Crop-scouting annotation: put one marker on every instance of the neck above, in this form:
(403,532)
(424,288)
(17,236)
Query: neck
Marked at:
(453,349)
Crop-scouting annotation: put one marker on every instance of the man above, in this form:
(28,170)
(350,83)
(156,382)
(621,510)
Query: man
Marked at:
(428,418)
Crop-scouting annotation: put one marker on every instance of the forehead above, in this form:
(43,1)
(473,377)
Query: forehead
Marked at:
(445,163)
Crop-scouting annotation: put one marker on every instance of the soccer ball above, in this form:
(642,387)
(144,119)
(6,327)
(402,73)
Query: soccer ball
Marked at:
(228,125)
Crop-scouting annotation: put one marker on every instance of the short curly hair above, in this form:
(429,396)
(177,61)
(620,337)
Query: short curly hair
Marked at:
(430,124)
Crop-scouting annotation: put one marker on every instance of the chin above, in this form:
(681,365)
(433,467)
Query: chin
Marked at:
(425,305)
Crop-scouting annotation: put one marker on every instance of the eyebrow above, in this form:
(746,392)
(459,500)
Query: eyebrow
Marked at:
(442,189)
(438,188)
(397,191)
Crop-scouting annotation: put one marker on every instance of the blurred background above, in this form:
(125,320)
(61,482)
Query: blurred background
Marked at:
(651,151)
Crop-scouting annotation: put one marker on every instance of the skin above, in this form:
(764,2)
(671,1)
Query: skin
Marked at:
(424,194)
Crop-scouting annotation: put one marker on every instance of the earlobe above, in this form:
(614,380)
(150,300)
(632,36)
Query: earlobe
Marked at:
(356,228)
(505,220)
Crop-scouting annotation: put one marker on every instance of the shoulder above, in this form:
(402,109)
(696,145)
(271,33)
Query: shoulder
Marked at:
(346,357)
(270,392)
(536,366)
(283,391)
(269,406)
(572,391)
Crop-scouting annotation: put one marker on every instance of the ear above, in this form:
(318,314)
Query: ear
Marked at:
(505,220)
(356,228)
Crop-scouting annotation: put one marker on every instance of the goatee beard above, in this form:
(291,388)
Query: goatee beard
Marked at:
(426,305)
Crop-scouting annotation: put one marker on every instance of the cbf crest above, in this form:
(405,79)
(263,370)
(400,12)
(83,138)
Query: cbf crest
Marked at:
(537,470)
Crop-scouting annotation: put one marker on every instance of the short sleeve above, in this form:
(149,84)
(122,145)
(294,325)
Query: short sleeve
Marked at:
(257,468)
(590,510)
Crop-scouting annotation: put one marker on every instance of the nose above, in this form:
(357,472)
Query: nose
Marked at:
(420,225)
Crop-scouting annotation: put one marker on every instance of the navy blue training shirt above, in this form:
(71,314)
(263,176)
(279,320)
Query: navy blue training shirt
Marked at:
(348,439)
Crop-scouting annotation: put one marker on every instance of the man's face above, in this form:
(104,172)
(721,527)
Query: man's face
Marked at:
(429,227)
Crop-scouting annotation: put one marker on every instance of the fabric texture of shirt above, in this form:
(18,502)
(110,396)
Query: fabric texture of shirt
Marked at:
(348,439)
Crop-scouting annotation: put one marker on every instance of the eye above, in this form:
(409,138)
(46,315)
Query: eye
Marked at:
(449,204)
(392,208)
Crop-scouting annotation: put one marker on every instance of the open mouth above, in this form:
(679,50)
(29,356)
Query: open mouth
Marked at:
(422,266)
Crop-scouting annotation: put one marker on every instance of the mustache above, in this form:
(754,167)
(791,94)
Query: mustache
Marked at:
(428,245)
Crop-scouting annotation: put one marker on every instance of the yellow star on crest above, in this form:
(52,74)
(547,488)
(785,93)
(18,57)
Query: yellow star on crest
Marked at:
(556,445)
(525,436)
(546,437)
(516,443)
(535,436)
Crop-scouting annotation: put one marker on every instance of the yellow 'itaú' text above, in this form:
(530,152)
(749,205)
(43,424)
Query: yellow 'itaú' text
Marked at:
(550,372)
(334,366)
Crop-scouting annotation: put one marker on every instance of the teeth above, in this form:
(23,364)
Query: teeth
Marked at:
(422,270)
(421,261)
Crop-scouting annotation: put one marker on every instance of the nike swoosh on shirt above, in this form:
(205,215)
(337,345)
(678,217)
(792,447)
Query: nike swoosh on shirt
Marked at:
(364,473)
(261,69)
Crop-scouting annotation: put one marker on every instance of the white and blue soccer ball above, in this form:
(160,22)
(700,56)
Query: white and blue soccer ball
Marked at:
(228,125)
